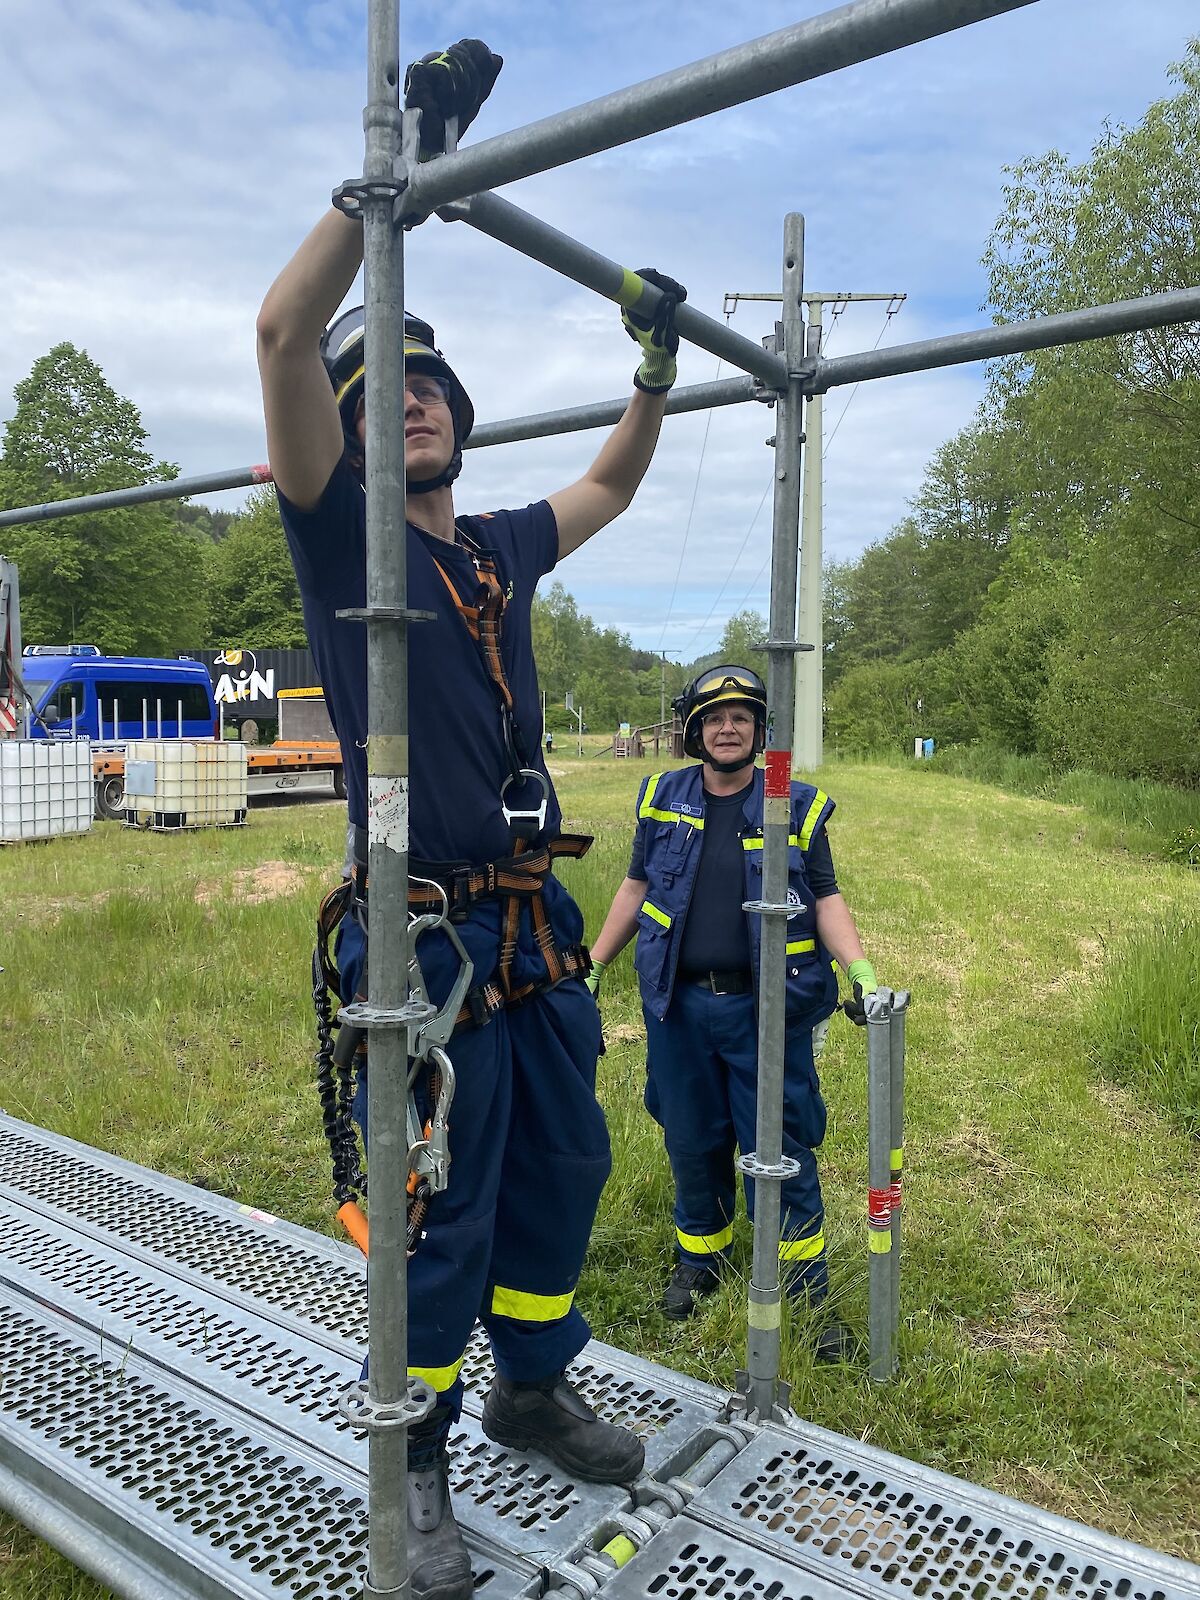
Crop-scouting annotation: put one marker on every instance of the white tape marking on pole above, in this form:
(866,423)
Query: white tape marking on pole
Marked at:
(387,805)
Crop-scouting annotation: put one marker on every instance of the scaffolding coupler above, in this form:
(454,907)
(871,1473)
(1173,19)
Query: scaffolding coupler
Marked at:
(655,1505)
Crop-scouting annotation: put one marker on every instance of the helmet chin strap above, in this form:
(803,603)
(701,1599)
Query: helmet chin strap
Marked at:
(731,766)
(443,480)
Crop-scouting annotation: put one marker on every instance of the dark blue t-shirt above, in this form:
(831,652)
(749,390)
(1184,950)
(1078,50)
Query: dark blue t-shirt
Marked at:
(456,749)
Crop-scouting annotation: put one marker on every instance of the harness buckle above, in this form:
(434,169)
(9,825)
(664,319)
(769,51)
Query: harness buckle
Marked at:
(459,896)
(538,815)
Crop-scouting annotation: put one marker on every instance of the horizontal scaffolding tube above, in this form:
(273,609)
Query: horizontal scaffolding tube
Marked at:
(138,495)
(501,220)
(1011,338)
(1066,327)
(806,50)
(606,413)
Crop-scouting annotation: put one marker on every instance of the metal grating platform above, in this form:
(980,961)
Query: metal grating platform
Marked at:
(169,1420)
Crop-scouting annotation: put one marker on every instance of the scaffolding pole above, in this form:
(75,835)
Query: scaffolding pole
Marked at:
(796,54)
(1011,338)
(1171,308)
(767,1165)
(508,224)
(391,1402)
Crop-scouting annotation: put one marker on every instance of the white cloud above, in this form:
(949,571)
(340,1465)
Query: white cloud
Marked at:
(160,159)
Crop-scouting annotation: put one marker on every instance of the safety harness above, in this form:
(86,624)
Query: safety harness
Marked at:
(443,893)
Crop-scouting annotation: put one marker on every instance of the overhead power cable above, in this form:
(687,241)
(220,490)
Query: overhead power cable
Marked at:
(691,510)
(732,569)
(893,307)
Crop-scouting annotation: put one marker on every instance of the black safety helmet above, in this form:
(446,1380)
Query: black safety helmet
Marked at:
(344,354)
(717,686)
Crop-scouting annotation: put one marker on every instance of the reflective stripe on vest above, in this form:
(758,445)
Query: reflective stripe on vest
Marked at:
(648,809)
(653,911)
(820,801)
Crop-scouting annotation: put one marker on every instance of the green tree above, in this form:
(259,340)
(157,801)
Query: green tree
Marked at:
(745,632)
(253,595)
(128,580)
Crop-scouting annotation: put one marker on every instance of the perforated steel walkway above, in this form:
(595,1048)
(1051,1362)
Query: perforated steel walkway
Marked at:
(171,1367)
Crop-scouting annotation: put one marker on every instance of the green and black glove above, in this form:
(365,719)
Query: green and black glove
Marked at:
(593,978)
(449,83)
(862,980)
(655,334)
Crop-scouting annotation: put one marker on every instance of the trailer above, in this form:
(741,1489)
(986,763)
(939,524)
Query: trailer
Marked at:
(74,690)
(12,705)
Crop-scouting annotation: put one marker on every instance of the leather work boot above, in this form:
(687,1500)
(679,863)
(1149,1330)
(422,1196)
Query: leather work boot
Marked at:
(552,1416)
(688,1286)
(438,1563)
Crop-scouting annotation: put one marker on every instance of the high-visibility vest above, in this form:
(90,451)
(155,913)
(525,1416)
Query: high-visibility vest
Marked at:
(670,817)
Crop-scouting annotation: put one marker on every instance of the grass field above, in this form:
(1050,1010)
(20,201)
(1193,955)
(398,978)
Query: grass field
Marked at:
(155,1004)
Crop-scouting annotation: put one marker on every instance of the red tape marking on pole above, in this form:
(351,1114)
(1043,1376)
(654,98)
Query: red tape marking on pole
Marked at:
(779,773)
(879,1208)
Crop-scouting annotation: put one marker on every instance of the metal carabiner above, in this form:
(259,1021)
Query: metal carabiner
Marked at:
(429,1147)
(538,815)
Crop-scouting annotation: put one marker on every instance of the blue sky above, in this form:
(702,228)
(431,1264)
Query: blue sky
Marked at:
(160,160)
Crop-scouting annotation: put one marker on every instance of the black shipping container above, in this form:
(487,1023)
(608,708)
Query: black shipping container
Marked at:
(246,682)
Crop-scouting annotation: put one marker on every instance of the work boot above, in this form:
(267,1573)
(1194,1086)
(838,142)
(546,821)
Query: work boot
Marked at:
(439,1566)
(553,1417)
(833,1342)
(688,1286)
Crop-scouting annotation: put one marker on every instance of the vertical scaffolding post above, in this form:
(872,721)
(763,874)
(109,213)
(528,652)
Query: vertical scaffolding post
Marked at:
(807,733)
(879,1183)
(896,1158)
(767,1165)
(391,1403)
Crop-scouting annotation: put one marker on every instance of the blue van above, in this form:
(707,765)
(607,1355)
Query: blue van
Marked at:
(76,691)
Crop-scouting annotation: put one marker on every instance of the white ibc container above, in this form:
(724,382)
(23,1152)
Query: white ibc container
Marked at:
(185,783)
(45,788)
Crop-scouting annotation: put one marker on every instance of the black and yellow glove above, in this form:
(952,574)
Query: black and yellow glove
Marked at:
(655,334)
(449,83)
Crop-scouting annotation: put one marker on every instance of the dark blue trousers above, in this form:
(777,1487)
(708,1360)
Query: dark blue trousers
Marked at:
(702,1064)
(529,1156)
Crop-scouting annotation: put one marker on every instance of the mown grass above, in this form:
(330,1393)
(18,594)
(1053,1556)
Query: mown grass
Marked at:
(156,1008)
(1140,815)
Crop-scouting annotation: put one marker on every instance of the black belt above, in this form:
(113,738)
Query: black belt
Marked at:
(722,982)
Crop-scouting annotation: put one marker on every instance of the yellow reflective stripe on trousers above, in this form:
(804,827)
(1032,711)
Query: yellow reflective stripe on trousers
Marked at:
(705,1244)
(653,911)
(814,811)
(438,1378)
(524,1307)
(801,947)
(801,1249)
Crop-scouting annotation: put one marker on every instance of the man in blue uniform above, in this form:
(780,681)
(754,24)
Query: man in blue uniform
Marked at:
(697,856)
(504,1243)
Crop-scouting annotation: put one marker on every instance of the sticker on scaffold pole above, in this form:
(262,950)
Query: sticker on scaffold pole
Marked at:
(387,809)
(879,1220)
(778,773)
